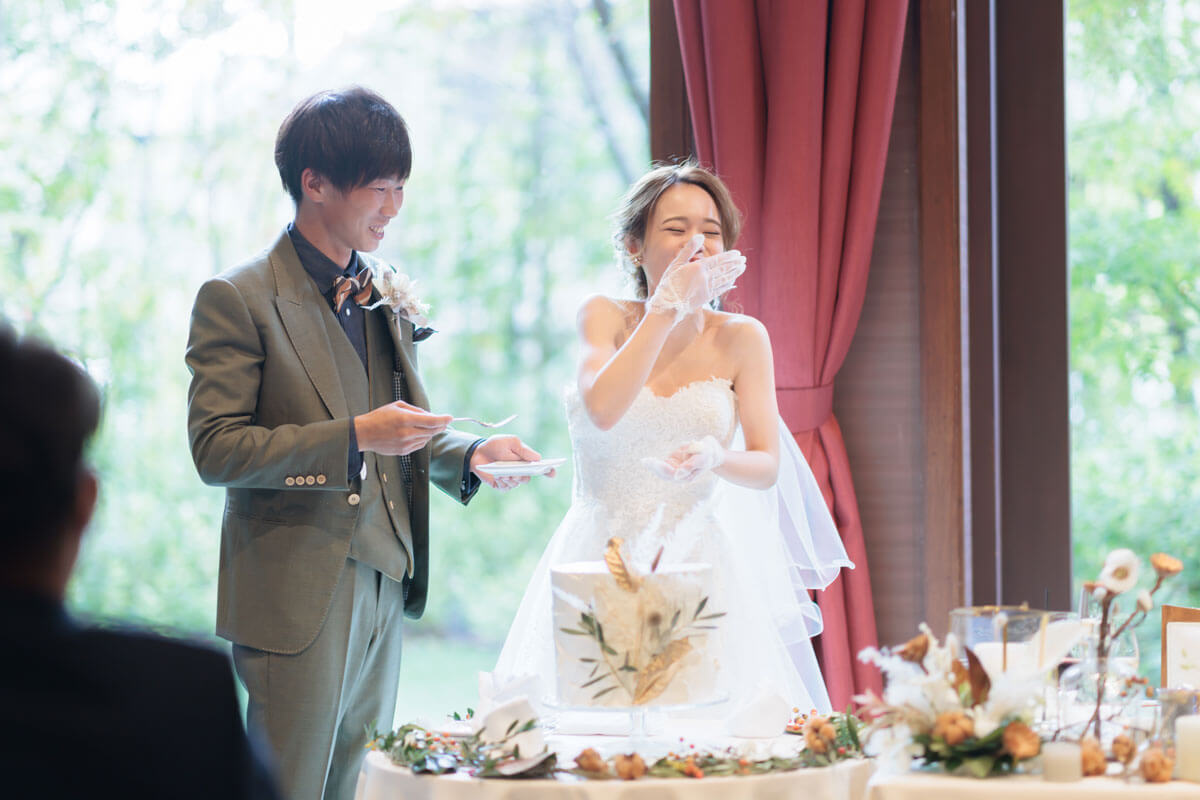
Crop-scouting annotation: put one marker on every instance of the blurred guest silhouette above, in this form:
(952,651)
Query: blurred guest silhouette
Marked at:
(88,712)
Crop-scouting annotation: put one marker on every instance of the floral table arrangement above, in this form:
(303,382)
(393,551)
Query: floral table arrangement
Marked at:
(949,715)
(1118,576)
(508,743)
(1100,679)
(943,708)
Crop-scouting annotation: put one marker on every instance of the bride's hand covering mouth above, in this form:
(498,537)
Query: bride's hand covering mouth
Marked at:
(690,283)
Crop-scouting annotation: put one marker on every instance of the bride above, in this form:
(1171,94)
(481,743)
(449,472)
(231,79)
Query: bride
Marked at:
(678,446)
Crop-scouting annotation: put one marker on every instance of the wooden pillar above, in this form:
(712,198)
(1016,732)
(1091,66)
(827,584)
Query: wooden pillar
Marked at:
(1031,250)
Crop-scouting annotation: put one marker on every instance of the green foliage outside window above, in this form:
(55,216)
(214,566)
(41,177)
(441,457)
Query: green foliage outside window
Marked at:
(1133,105)
(138,143)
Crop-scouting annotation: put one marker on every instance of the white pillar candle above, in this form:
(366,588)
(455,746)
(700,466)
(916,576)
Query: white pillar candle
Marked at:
(998,657)
(1062,762)
(1187,747)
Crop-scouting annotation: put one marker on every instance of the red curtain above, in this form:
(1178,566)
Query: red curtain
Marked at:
(792,105)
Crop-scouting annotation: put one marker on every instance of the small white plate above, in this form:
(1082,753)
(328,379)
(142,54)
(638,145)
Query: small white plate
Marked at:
(510,469)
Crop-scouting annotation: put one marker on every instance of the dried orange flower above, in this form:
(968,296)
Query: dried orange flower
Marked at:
(819,735)
(630,767)
(1166,565)
(1094,762)
(1123,749)
(914,649)
(953,727)
(1020,741)
(1155,766)
(590,761)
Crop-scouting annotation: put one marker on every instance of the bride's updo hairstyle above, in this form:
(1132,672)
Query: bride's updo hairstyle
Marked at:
(633,216)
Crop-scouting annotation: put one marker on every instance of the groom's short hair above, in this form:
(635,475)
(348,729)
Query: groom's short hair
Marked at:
(49,409)
(350,136)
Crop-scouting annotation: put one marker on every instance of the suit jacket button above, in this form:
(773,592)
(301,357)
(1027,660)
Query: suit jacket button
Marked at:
(384,476)
(290,481)
(320,480)
(391,505)
(310,480)
(353,499)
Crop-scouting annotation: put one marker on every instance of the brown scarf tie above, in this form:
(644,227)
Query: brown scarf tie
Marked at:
(359,287)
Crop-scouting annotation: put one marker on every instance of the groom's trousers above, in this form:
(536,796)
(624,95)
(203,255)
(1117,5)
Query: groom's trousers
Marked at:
(315,706)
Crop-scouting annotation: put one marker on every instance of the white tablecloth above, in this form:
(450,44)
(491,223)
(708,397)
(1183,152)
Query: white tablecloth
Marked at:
(382,780)
(926,786)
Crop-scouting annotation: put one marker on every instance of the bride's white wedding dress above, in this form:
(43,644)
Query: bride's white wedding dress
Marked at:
(768,547)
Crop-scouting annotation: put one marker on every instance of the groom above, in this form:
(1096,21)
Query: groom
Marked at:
(309,410)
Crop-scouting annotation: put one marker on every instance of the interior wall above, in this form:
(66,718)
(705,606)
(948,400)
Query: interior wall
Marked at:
(877,394)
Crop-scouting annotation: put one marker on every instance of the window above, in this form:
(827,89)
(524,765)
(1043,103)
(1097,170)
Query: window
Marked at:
(138,141)
(1133,110)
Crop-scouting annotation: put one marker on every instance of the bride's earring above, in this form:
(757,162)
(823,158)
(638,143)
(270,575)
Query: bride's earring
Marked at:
(636,258)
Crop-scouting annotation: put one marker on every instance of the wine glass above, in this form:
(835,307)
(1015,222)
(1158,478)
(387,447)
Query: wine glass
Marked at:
(1089,606)
(1123,650)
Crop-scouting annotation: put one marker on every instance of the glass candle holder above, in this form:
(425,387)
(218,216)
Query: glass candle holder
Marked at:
(1173,704)
(1004,637)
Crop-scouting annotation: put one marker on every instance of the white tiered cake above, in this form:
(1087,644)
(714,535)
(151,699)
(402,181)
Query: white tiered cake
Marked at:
(623,639)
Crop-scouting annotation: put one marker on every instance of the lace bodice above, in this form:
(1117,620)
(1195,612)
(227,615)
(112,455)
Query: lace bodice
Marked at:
(609,475)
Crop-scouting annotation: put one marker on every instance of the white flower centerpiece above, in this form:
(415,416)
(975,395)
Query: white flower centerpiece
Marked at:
(958,717)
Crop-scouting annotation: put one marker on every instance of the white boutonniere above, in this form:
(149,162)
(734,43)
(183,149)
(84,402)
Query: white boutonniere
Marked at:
(399,292)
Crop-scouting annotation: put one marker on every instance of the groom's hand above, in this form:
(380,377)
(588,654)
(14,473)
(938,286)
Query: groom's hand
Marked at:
(398,428)
(503,448)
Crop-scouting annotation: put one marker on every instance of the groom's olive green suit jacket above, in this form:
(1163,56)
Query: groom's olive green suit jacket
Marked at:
(269,419)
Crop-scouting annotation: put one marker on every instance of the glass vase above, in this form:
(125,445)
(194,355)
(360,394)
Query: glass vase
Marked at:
(1100,696)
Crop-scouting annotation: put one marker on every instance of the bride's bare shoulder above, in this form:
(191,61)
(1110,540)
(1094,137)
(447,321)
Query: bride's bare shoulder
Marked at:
(737,329)
(607,311)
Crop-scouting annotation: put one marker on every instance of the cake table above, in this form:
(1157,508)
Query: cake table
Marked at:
(933,786)
(380,779)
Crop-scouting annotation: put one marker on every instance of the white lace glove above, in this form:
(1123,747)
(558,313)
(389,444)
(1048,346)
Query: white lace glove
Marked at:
(688,462)
(687,285)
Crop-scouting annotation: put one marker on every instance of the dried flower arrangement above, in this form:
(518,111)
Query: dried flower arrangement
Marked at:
(828,740)
(504,752)
(665,637)
(957,717)
(1118,576)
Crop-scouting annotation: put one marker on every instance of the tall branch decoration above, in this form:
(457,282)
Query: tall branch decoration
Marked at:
(1118,576)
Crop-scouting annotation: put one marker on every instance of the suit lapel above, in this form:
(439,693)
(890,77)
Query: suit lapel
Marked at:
(303,311)
(406,356)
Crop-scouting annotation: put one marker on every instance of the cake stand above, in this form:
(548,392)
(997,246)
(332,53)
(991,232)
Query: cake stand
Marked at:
(638,737)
